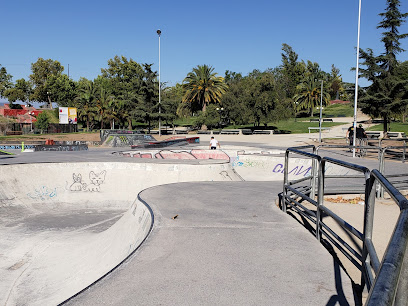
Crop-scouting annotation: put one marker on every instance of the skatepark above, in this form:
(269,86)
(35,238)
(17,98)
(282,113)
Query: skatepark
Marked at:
(103,227)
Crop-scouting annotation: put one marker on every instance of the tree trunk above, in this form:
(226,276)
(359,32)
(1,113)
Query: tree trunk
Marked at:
(129,124)
(385,124)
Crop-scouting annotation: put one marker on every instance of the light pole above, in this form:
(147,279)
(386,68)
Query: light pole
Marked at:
(220,110)
(159,33)
(321,107)
(356,86)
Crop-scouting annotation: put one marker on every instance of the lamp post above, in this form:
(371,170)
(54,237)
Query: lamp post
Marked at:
(220,113)
(356,86)
(320,118)
(159,33)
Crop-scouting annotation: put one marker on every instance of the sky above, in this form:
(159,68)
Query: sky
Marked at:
(239,36)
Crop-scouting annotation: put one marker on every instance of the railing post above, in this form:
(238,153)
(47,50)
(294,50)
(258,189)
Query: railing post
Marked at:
(381,168)
(369,202)
(285,180)
(320,195)
(403,152)
(401,297)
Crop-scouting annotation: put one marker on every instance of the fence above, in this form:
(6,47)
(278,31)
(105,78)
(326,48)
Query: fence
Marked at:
(386,281)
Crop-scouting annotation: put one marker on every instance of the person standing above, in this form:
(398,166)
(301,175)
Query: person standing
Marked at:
(349,134)
(214,143)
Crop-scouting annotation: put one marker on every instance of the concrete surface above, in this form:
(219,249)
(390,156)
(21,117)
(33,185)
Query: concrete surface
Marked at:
(228,245)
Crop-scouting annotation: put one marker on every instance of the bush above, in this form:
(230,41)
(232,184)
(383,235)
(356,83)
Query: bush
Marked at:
(43,121)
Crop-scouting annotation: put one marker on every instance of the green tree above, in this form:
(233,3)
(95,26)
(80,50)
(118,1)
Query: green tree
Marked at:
(104,101)
(309,95)
(42,122)
(127,83)
(86,102)
(387,93)
(292,70)
(203,86)
(62,89)
(20,91)
(5,80)
(42,70)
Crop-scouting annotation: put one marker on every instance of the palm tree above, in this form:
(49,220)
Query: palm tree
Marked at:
(308,96)
(203,87)
(86,102)
(103,103)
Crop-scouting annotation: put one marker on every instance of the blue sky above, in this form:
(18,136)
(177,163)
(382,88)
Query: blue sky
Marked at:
(236,35)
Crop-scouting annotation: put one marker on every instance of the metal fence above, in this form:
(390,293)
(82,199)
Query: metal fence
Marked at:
(391,275)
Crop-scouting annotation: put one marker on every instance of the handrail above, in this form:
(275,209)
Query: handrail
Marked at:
(387,281)
(390,283)
(381,166)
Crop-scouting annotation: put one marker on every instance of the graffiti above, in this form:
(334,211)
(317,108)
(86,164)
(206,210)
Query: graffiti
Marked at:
(15,147)
(225,174)
(81,147)
(96,180)
(43,193)
(279,168)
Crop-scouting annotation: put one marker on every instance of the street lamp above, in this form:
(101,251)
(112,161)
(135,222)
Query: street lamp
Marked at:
(220,110)
(159,33)
(356,86)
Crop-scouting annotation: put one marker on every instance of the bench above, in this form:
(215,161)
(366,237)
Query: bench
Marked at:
(263,132)
(181,132)
(374,134)
(229,132)
(396,135)
(318,128)
(328,120)
(246,132)
(12,133)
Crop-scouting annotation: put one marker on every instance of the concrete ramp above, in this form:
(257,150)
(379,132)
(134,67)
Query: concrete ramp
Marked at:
(65,225)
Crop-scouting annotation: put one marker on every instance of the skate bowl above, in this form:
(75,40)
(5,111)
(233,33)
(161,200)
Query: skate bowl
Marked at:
(256,166)
(66,225)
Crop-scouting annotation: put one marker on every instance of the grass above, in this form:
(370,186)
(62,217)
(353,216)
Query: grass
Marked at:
(288,126)
(393,126)
(296,127)
(338,110)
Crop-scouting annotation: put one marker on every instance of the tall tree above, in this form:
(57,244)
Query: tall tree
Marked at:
(42,70)
(309,95)
(86,102)
(386,95)
(203,86)
(20,91)
(292,70)
(5,80)
(62,89)
(126,80)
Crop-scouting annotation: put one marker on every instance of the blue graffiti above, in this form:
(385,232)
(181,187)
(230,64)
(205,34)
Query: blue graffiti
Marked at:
(43,193)
(279,168)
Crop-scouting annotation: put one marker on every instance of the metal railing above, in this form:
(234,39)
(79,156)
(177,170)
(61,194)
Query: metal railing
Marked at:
(391,275)
(389,286)
(401,183)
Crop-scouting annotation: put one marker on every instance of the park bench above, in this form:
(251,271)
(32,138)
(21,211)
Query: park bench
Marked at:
(317,128)
(327,120)
(374,134)
(12,133)
(229,132)
(181,132)
(246,132)
(264,132)
(396,135)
